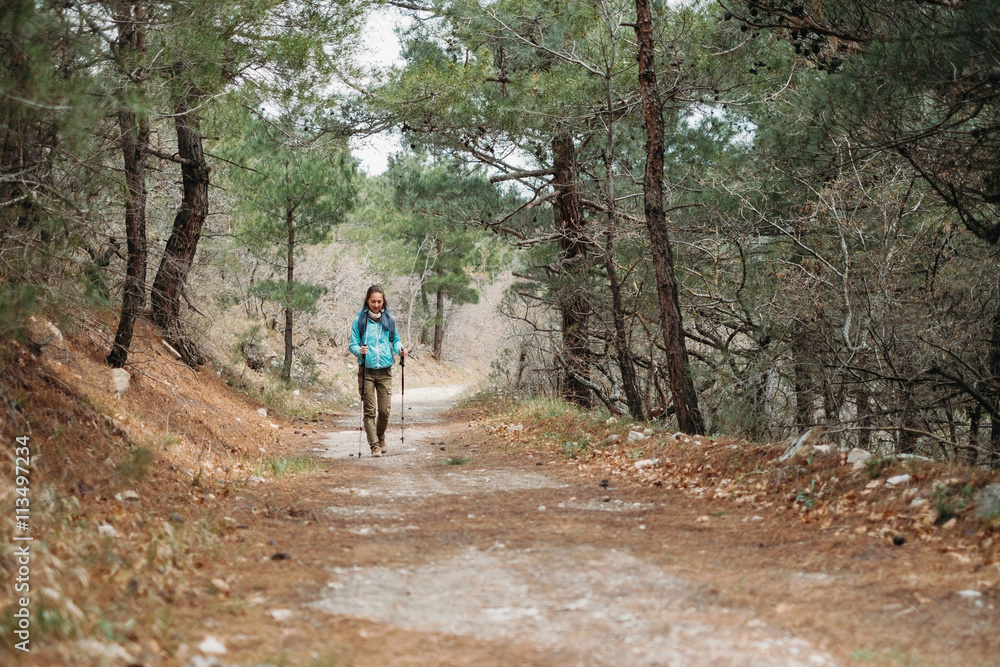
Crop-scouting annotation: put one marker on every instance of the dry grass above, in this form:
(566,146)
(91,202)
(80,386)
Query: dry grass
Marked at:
(105,565)
(935,506)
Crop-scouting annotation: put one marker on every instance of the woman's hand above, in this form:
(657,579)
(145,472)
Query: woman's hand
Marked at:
(402,352)
(364,350)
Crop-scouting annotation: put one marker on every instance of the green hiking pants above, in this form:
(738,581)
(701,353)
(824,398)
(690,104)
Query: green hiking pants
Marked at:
(378,389)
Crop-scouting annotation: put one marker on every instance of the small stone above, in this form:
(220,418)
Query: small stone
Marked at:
(541,508)
(611,420)
(647,432)
(950,523)
(257,480)
(803,444)
(220,585)
(103,653)
(106,530)
(204,661)
(281,555)
(702,519)
(120,378)
(262,412)
(605,483)
(212,646)
(899,540)
(647,463)
(54,330)
(988,501)
(857,457)
(635,436)
(970,594)
(281,614)
(897,480)
(518,427)
(130,495)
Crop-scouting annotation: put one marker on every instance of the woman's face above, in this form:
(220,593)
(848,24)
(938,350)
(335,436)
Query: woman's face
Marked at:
(375,301)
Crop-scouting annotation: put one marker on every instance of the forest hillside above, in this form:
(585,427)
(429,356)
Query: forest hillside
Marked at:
(770,222)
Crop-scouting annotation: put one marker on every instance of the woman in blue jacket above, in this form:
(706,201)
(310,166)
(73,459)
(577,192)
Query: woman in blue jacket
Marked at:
(374,339)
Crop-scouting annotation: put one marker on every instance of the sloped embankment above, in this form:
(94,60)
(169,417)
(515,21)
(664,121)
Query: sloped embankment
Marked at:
(123,488)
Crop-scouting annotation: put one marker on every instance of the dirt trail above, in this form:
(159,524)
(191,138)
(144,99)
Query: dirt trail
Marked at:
(448,552)
(590,603)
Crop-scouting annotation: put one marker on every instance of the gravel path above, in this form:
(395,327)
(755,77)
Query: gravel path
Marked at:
(529,576)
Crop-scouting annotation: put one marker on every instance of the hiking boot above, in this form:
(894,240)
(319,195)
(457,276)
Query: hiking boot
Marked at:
(381,445)
(376,453)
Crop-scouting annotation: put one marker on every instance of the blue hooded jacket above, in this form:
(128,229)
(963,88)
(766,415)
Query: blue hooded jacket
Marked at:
(381,337)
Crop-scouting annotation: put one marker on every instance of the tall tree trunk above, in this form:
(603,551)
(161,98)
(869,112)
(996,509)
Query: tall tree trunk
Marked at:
(439,305)
(994,388)
(689,417)
(178,256)
(135,149)
(862,406)
(907,440)
(575,302)
(805,395)
(286,368)
(975,415)
(625,362)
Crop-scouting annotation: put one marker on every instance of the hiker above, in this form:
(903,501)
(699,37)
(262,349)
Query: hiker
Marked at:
(374,339)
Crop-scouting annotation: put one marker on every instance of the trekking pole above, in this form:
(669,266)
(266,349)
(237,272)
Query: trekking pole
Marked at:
(361,429)
(402,401)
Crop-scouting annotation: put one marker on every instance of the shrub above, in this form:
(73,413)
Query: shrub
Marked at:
(951,501)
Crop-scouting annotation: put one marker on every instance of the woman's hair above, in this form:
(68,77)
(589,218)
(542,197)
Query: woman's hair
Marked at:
(372,290)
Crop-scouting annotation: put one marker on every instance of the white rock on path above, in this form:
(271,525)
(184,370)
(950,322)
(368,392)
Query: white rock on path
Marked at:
(104,653)
(647,463)
(212,646)
(205,661)
(970,594)
(636,436)
(897,480)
